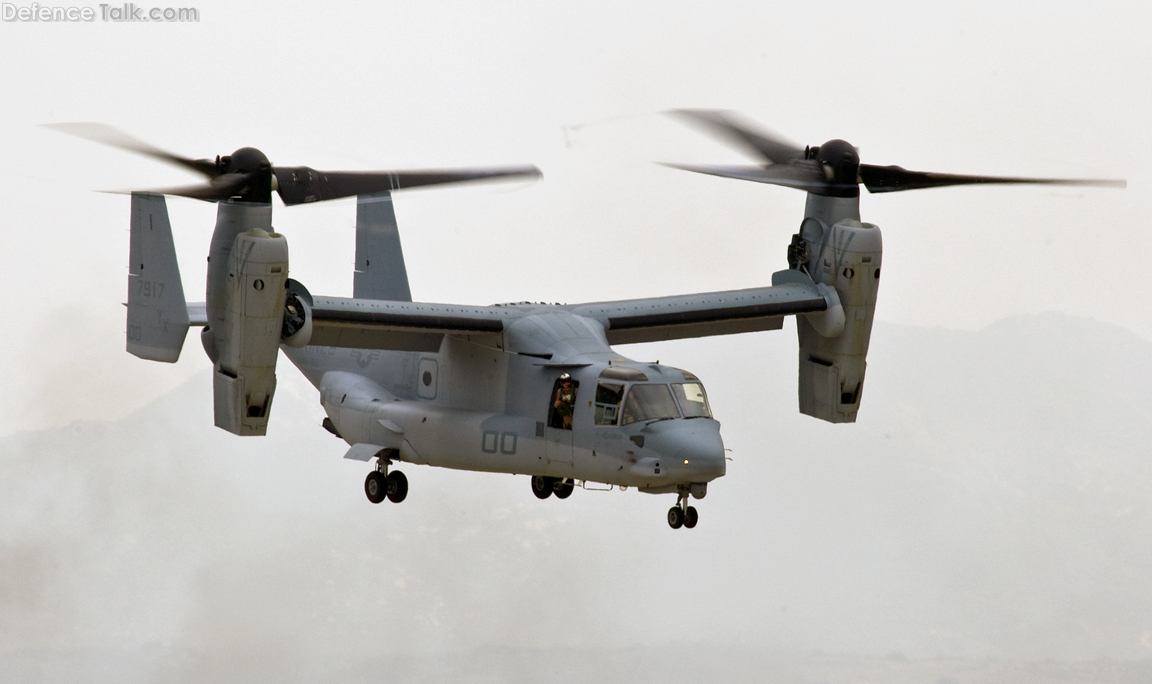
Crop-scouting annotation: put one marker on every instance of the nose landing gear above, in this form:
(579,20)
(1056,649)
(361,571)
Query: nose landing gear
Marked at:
(682,515)
(381,484)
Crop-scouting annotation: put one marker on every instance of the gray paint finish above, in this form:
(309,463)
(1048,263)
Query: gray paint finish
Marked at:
(157,315)
(380,271)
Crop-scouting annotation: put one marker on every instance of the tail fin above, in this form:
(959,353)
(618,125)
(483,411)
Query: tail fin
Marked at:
(380,272)
(157,312)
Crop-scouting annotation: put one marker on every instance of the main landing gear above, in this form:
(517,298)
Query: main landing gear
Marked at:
(682,515)
(544,487)
(381,484)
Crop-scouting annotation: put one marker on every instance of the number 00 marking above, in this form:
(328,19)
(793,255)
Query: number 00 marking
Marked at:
(491,440)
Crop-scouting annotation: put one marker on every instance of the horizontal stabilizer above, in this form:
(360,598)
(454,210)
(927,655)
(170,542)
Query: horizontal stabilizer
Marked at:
(198,314)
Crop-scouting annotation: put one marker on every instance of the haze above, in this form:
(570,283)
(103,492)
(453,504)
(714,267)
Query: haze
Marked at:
(992,502)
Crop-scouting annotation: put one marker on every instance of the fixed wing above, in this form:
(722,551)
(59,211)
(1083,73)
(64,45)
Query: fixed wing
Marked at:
(523,388)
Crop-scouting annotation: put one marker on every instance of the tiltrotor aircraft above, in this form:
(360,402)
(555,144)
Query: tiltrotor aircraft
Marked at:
(532,389)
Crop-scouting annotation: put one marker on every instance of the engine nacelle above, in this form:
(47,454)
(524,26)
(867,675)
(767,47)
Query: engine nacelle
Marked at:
(846,257)
(245,340)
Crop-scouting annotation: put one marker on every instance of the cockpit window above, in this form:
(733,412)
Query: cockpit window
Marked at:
(646,402)
(608,398)
(693,400)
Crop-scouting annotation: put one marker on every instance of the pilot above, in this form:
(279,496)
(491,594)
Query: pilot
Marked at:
(630,414)
(565,402)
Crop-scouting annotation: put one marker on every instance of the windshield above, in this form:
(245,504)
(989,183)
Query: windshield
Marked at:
(646,402)
(693,401)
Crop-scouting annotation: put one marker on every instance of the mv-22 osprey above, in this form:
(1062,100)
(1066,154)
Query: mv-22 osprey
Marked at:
(532,389)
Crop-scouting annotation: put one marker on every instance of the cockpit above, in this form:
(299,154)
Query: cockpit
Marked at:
(625,395)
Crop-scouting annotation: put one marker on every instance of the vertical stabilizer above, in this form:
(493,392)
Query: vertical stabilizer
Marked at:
(157,312)
(380,272)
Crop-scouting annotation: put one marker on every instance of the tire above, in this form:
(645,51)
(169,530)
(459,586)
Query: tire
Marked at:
(691,517)
(375,487)
(564,488)
(675,517)
(396,485)
(541,486)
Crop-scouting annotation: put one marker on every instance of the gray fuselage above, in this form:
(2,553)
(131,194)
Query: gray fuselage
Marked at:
(490,407)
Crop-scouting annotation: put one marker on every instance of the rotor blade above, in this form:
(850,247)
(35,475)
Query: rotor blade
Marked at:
(300,184)
(896,178)
(771,146)
(805,175)
(106,135)
(219,188)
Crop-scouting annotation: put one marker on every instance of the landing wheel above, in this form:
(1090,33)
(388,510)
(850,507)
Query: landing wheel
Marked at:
(396,486)
(691,517)
(375,487)
(564,488)
(542,486)
(675,517)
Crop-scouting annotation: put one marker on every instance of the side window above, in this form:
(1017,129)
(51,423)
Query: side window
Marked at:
(693,400)
(563,402)
(608,397)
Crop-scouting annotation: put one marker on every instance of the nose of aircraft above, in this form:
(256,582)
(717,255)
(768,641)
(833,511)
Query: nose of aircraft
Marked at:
(691,448)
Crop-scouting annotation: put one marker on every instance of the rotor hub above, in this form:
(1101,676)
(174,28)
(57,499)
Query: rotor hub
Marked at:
(840,163)
(253,165)
(245,160)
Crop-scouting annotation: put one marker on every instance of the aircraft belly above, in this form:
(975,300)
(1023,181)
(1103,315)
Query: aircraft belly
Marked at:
(596,465)
(634,468)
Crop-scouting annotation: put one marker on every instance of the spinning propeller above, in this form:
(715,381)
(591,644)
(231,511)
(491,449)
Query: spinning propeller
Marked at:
(248,176)
(832,169)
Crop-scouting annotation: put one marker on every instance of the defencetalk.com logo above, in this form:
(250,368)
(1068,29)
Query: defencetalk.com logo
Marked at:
(127,12)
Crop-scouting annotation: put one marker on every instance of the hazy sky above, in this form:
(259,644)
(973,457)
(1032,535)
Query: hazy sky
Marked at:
(1010,88)
(1056,89)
